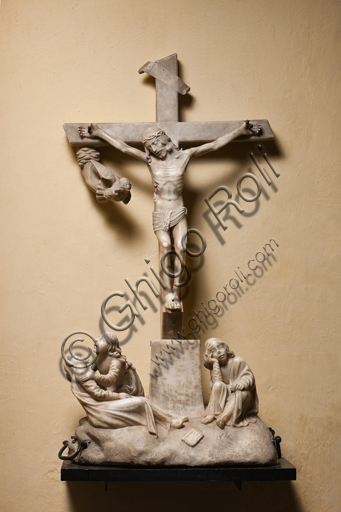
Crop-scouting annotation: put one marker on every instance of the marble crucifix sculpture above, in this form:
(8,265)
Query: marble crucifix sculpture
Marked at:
(167,165)
(121,425)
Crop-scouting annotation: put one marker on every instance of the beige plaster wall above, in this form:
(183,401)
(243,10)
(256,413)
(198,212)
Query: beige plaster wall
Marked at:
(62,253)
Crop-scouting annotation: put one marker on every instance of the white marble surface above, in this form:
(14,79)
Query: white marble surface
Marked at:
(135,446)
(176,385)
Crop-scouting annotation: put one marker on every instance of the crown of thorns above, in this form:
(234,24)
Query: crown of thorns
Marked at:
(153,135)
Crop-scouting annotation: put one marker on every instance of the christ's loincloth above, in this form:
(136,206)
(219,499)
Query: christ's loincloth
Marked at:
(166,220)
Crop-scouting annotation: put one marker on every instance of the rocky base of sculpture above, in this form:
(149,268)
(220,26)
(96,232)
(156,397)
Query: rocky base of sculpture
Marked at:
(249,445)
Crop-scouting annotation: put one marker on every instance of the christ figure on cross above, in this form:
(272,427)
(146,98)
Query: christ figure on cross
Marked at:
(167,165)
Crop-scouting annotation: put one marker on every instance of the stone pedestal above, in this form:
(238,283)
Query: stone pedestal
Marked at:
(251,445)
(175,377)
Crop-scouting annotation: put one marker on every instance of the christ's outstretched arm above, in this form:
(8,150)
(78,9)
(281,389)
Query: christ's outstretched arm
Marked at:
(93,131)
(245,129)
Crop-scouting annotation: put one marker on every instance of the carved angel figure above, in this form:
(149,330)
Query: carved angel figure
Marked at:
(112,396)
(104,182)
(233,399)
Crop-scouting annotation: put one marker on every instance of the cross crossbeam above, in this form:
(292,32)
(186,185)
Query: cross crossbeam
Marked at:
(179,132)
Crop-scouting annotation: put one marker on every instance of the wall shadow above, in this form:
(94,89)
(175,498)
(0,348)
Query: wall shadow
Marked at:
(183,496)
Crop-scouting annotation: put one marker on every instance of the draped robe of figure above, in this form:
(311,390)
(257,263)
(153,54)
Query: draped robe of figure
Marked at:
(240,407)
(104,409)
(101,180)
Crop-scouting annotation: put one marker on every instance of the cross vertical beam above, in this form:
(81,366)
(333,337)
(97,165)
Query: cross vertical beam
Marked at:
(167,111)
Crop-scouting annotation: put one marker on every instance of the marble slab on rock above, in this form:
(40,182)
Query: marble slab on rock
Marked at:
(249,445)
(175,384)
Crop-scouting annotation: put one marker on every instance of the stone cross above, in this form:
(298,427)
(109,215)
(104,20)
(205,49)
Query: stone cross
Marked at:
(168,86)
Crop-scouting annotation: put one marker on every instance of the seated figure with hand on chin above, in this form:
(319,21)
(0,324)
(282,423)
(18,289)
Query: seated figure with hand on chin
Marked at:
(233,399)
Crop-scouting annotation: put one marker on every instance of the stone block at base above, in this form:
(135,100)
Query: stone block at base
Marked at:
(249,445)
(175,377)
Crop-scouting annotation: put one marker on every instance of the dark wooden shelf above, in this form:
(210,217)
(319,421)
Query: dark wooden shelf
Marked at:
(71,472)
